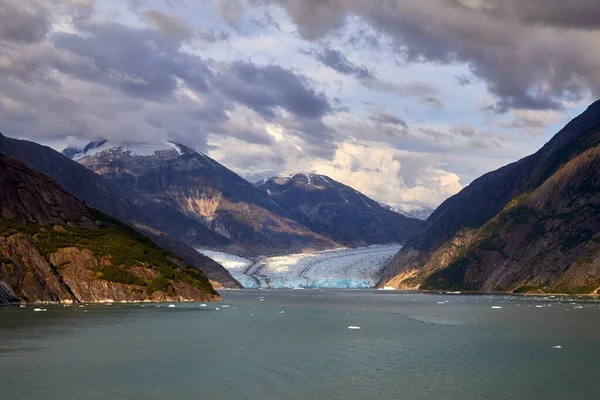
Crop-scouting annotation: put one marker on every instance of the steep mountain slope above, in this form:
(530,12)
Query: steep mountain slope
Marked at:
(338,211)
(529,224)
(186,192)
(101,194)
(54,248)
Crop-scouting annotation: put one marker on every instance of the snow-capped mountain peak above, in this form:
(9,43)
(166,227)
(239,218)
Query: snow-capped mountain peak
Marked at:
(421,213)
(135,149)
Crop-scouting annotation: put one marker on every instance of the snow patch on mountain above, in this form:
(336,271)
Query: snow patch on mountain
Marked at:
(421,213)
(342,268)
(142,149)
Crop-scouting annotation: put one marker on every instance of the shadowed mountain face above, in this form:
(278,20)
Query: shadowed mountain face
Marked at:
(187,192)
(101,194)
(337,211)
(532,225)
(54,248)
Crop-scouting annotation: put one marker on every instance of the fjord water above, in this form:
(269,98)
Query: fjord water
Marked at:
(296,345)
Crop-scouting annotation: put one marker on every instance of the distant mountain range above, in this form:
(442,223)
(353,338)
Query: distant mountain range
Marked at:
(421,213)
(196,200)
(531,226)
(337,211)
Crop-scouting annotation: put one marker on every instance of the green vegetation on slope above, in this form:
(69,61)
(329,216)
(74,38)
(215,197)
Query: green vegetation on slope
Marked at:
(124,246)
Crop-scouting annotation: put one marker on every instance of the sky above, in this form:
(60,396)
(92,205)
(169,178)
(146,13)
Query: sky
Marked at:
(407,101)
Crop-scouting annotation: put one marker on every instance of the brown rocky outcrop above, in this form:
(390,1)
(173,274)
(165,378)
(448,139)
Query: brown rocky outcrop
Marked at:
(55,249)
(532,226)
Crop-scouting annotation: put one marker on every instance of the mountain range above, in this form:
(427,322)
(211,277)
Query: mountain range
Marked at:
(97,192)
(197,200)
(337,211)
(55,248)
(531,226)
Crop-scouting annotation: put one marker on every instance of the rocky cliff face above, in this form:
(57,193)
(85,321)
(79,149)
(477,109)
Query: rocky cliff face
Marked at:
(54,248)
(101,194)
(337,211)
(188,193)
(530,226)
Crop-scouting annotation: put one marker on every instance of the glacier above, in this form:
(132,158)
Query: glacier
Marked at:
(356,268)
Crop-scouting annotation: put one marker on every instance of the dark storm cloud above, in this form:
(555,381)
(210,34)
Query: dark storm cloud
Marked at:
(148,64)
(579,14)
(265,88)
(385,117)
(337,61)
(23,21)
(109,79)
(532,54)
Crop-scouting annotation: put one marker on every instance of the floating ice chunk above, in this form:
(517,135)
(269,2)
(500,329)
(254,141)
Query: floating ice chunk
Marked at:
(202,305)
(387,288)
(217,309)
(171,306)
(252,315)
(557,347)
(496,307)
(225,306)
(353,327)
(39,309)
(441,302)
(539,306)
(453,292)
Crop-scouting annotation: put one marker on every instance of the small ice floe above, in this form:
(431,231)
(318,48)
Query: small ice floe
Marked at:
(453,292)
(387,288)
(282,312)
(252,315)
(539,306)
(81,306)
(557,347)
(202,305)
(225,306)
(578,307)
(261,299)
(496,307)
(441,302)
(353,327)
(217,308)
(39,309)
(22,306)
(171,306)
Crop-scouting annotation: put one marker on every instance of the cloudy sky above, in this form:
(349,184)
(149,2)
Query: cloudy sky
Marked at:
(405,100)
